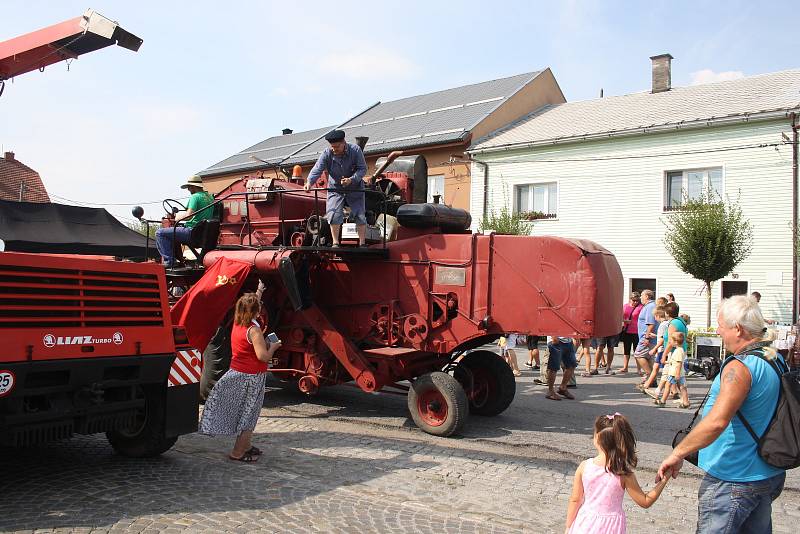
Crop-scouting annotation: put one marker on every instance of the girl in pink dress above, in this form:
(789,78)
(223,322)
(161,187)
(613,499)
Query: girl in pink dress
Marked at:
(601,482)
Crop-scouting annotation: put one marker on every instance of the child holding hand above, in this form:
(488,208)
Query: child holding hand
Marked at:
(675,373)
(600,483)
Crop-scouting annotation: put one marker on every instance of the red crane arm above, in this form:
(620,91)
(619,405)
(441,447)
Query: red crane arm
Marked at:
(65,40)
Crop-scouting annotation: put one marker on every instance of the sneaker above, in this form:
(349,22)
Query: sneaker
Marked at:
(536,367)
(529,365)
(538,381)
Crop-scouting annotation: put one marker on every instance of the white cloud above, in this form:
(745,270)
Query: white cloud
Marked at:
(280,91)
(709,76)
(367,63)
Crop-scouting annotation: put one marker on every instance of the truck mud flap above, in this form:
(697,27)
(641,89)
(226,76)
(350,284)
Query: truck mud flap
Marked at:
(182,404)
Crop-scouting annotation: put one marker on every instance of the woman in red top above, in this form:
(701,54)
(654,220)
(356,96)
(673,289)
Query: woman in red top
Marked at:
(235,402)
(630,334)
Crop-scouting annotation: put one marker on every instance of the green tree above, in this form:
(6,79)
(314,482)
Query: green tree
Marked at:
(708,238)
(143,228)
(506,222)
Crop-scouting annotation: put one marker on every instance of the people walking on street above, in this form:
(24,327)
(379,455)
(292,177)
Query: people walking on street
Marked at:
(658,351)
(582,348)
(630,335)
(604,354)
(561,351)
(675,374)
(507,345)
(600,483)
(533,352)
(235,402)
(647,327)
(739,487)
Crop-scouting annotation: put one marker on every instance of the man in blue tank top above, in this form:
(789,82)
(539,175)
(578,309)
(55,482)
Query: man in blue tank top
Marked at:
(737,492)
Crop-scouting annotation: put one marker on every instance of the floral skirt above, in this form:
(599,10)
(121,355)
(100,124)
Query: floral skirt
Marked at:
(234,404)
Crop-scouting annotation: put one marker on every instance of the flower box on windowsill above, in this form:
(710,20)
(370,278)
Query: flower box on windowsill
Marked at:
(537,215)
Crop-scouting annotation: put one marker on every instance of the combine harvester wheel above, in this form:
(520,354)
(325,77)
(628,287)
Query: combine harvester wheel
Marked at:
(438,404)
(488,381)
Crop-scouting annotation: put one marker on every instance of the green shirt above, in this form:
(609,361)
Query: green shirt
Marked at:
(198,201)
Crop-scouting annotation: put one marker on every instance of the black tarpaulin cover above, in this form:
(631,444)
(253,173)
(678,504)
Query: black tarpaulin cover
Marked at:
(62,229)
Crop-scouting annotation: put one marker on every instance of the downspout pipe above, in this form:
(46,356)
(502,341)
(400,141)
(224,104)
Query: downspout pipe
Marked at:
(795,251)
(485,185)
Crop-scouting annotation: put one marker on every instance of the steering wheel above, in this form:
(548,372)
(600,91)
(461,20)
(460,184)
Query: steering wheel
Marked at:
(170,205)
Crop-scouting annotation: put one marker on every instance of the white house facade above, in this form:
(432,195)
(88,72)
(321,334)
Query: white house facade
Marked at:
(610,169)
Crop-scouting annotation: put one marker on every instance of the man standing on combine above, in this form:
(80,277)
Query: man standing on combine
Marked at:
(346,169)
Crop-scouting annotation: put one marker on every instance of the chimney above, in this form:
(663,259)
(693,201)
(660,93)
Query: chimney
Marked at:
(286,131)
(9,156)
(662,73)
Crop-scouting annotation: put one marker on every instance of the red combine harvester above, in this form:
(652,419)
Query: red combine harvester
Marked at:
(414,305)
(87,344)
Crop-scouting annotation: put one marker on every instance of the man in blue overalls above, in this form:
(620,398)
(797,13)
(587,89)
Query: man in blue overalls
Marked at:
(346,169)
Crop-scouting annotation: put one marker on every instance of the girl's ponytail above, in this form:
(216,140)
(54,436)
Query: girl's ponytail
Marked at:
(615,437)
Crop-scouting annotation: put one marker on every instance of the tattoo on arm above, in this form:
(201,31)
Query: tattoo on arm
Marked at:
(729,377)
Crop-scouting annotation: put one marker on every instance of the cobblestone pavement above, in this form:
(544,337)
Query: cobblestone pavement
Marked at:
(351,462)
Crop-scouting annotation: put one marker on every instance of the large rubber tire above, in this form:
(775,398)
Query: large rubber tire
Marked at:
(438,404)
(147,438)
(216,360)
(488,381)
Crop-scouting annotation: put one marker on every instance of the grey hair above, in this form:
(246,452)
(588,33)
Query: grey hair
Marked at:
(743,311)
(649,292)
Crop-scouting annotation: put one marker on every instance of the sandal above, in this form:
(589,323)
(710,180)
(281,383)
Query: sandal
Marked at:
(610,372)
(567,394)
(255,451)
(552,396)
(658,403)
(247,457)
(586,375)
(594,372)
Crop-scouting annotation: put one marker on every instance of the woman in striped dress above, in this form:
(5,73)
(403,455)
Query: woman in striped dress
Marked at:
(234,404)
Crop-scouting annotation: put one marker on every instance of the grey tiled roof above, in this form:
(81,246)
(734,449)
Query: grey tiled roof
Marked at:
(272,150)
(430,119)
(777,91)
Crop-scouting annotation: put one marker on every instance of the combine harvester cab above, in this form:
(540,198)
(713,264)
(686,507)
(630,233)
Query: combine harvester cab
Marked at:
(418,303)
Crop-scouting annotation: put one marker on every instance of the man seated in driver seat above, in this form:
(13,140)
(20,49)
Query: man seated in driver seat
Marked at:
(199,200)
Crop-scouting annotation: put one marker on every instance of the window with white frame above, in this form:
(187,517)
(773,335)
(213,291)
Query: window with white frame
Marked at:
(436,187)
(541,197)
(691,184)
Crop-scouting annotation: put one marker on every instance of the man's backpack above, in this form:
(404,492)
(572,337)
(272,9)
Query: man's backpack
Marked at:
(779,446)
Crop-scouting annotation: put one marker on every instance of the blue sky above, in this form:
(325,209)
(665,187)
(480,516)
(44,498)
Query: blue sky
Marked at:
(215,77)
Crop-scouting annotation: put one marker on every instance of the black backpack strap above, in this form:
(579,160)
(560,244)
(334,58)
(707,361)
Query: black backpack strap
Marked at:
(775,366)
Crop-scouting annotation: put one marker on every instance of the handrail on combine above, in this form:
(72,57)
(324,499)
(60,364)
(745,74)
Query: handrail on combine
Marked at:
(281,220)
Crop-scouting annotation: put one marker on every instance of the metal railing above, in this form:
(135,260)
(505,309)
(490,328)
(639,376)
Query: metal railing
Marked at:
(282,221)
